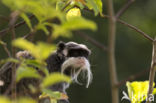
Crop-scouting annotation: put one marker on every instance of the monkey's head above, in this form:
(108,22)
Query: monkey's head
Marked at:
(75,58)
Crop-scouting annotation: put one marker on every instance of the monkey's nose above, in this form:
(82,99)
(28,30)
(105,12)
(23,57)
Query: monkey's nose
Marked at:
(81,58)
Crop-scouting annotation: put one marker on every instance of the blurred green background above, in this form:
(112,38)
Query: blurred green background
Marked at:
(133,52)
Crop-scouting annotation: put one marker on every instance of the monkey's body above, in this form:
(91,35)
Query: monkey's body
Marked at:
(70,58)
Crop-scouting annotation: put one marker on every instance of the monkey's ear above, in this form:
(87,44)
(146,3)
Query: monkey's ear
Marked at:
(61,45)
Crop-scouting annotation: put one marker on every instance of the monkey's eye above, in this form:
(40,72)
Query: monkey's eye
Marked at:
(77,53)
(73,53)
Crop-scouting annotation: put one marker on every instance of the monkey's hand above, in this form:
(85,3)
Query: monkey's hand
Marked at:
(23,54)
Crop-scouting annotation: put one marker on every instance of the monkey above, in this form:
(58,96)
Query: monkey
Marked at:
(70,59)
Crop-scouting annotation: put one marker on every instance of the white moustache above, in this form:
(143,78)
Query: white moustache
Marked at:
(77,65)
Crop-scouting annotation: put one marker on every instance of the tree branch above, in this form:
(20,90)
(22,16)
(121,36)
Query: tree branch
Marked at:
(91,40)
(152,72)
(3,32)
(124,8)
(132,27)
(6,49)
(14,16)
(111,52)
(133,77)
(136,29)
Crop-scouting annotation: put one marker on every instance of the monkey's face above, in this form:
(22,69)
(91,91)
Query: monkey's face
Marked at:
(76,60)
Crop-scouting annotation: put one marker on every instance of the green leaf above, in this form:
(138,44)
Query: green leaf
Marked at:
(91,4)
(99,5)
(38,64)
(2,43)
(33,62)
(45,49)
(26,72)
(51,94)
(12,60)
(54,78)
(59,31)
(43,10)
(26,100)
(4,100)
(96,5)
(26,45)
(10,3)
(74,23)
(41,26)
(27,20)
(79,4)
(60,5)
(40,51)
(78,23)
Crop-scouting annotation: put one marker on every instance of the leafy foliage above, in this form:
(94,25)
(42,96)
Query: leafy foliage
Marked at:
(4,100)
(40,51)
(68,13)
(57,77)
(44,11)
(26,72)
(73,23)
(20,100)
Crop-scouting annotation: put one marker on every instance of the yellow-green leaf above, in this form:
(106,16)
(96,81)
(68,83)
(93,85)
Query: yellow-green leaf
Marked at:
(26,100)
(45,49)
(76,23)
(54,78)
(4,100)
(27,20)
(91,4)
(99,5)
(26,72)
(26,45)
(40,51)
(51,94)
(60,31)
(42,27)
(60,5)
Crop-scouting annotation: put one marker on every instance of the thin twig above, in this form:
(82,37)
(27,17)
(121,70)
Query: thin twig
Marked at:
(91,40)
(136,29)
(6,49)
(124,8)
(3,32)
(14,16)
(132,27)
(152,72)
(132,77)
(5,67)
(29,34)
(111,52)
(128,25)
